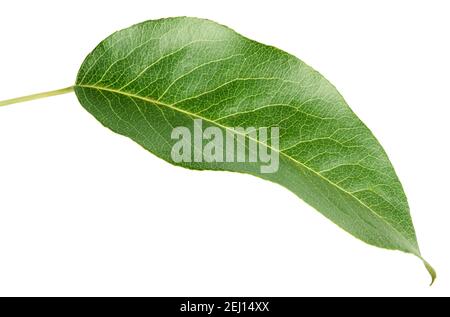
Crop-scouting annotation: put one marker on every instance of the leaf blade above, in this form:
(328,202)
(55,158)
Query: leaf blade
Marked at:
(143,81)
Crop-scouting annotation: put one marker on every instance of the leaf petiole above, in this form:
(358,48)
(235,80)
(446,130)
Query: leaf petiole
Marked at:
(37,96)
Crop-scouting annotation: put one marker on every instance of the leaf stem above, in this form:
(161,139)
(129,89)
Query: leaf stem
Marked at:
(37,96)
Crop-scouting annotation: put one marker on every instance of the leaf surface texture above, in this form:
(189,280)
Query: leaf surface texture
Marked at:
(143,81)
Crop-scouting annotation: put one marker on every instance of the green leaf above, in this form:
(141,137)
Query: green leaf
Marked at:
(143,81)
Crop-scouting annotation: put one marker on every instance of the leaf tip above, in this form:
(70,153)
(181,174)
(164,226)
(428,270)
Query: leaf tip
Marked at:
(430,270)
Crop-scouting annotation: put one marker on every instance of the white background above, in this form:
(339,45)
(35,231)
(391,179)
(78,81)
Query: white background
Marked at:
(86,212)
